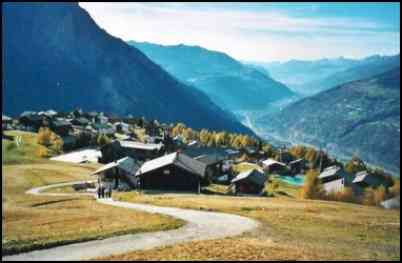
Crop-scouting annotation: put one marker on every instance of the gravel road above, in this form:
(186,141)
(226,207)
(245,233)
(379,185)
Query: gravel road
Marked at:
(201,225)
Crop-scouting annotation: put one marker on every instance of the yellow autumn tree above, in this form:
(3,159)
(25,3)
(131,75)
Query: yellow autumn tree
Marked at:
(312,188)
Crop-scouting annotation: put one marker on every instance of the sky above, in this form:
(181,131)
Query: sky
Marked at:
(259,31)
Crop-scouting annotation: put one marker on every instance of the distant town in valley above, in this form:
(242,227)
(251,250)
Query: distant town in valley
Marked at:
(135,150)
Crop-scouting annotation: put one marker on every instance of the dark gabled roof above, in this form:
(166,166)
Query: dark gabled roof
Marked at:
(252,175)
(209,159)
(81,121)
(60,123)
(101,126)
(195,151)
(297,161)
(27,113)
(31,117)
(5,118)
(331,171)
(92,113)
(179,159)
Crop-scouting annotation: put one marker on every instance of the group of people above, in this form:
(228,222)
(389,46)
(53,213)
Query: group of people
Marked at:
(104,191)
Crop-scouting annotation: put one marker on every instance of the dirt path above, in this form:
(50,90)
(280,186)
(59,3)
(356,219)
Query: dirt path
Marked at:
(201,225)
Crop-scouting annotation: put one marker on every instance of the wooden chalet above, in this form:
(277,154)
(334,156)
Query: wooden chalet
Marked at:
(31,120)
(80,121)
(61,127)
(249,182)
(120,174)
(334,179)
(173,172)
(136,150)
(365,179)
(273,166)
(121,127)
(213,163)
(297,166)
(6,122)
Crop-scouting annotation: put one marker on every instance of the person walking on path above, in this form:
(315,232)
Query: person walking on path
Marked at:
(102,189)
(98,191)
(110,190)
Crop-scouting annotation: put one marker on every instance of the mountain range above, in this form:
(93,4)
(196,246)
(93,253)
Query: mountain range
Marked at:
(310,77)
(229,83)
(360,117)
(56,56)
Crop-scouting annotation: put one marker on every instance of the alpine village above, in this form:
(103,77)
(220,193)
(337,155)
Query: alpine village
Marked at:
(83,181)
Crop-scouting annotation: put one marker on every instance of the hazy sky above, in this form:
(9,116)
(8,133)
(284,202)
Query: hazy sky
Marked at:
(259,31)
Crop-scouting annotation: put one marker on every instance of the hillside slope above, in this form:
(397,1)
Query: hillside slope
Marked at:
(310,77)
(361,117)
(229,83)
(55,56)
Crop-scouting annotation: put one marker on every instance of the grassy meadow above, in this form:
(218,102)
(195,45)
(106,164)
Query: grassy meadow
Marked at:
(34,222)
(291,229)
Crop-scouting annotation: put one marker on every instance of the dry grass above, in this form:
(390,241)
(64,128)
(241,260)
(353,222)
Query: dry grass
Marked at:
(291,229)
(33,222)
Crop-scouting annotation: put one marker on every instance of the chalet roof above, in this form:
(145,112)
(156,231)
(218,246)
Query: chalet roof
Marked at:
(61,123)
(92,114)
(140,145)
(231,151)
(27,113)
(100,126)
(5,118)
(253,175)
(121,123)
(127,164)
(194,142)
(195,151)
(31,117)
(48,113)
(360,176)
(297,161)
(330,171)
(82,120)
(334,186)
(269,162)
(209,159)
(179,159)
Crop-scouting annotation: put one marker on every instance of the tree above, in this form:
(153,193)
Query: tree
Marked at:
(311,155)
(45,136)
(204,136)
(312,188)
(103,139)
(395,189)
(374,196)
(42,152)
(298,151)
(355,165)
(268,150)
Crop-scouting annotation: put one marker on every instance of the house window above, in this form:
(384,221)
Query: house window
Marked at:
(166,171)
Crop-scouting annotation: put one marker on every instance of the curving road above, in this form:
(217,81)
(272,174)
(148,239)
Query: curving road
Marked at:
(201,225)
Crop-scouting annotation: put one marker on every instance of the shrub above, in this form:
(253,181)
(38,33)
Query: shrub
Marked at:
(103,139)
(346,195)
(10,146)
(395,189)
(374,196)
(42,152)
(45,136)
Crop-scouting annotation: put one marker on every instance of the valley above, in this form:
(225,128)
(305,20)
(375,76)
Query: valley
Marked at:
(174,131)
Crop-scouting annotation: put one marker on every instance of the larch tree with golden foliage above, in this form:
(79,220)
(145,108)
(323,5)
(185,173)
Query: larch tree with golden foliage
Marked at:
(312,188)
